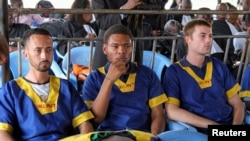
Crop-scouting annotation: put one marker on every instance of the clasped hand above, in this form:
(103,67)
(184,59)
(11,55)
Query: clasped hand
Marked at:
(116,69)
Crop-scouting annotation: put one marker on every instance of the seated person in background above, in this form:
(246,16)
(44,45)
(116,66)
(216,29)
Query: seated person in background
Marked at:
(201,89)
(245,5)
(29,19)
(122,94)
(221,27)
(147,31)
(77,25)
(156,21)
(133,21)
(174,4)
(171,28)
(45,4)
(16,30)
(54,27)
(239,43)
(181,18)
(223,7)
(38,106)
(234,18)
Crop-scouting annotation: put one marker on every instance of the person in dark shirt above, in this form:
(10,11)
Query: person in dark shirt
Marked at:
(74,27)
(132,21)
(16,30)
(45,4)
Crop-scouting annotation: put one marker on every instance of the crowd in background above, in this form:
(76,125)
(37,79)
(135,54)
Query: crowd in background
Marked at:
(113,76)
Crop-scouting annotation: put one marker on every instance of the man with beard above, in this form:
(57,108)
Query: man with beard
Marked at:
(39,106)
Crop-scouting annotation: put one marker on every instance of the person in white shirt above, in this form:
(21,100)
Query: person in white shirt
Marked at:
(239,43)
(32,20)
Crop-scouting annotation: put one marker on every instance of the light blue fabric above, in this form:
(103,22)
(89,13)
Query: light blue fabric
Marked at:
(182,135)
(158,63)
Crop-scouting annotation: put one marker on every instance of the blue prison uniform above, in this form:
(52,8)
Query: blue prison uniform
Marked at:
(204,91)
(131,99)
(28,118)
(245,83)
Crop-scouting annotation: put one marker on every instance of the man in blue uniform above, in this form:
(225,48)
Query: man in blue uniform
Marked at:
(201,89)
(39,107)
(124,95)
(245,90)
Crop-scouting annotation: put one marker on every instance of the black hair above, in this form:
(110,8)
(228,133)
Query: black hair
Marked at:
(28,33)
(116,29)
(44,4)
(78,4)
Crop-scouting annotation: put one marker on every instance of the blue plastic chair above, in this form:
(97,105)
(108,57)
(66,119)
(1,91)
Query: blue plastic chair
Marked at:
(159,63)
(14,63)
(182,135)
(78,55)
(57,54)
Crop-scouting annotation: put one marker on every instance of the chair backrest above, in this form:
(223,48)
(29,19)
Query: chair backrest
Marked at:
(182,135)
(14,63)
(160,62)
(57,54)
(79,55)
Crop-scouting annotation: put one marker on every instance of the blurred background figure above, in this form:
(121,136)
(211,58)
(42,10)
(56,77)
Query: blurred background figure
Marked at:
(239,43)
(221,26)
(245,5)
(32,20)
(16,30)
(176,4)
(44,4)
(76,26)
(171,28)
(234,18)
(181,18)
(133,21)
(222,7)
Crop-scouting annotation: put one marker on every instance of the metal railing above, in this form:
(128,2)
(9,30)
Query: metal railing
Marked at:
(246,51)
(244,59)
